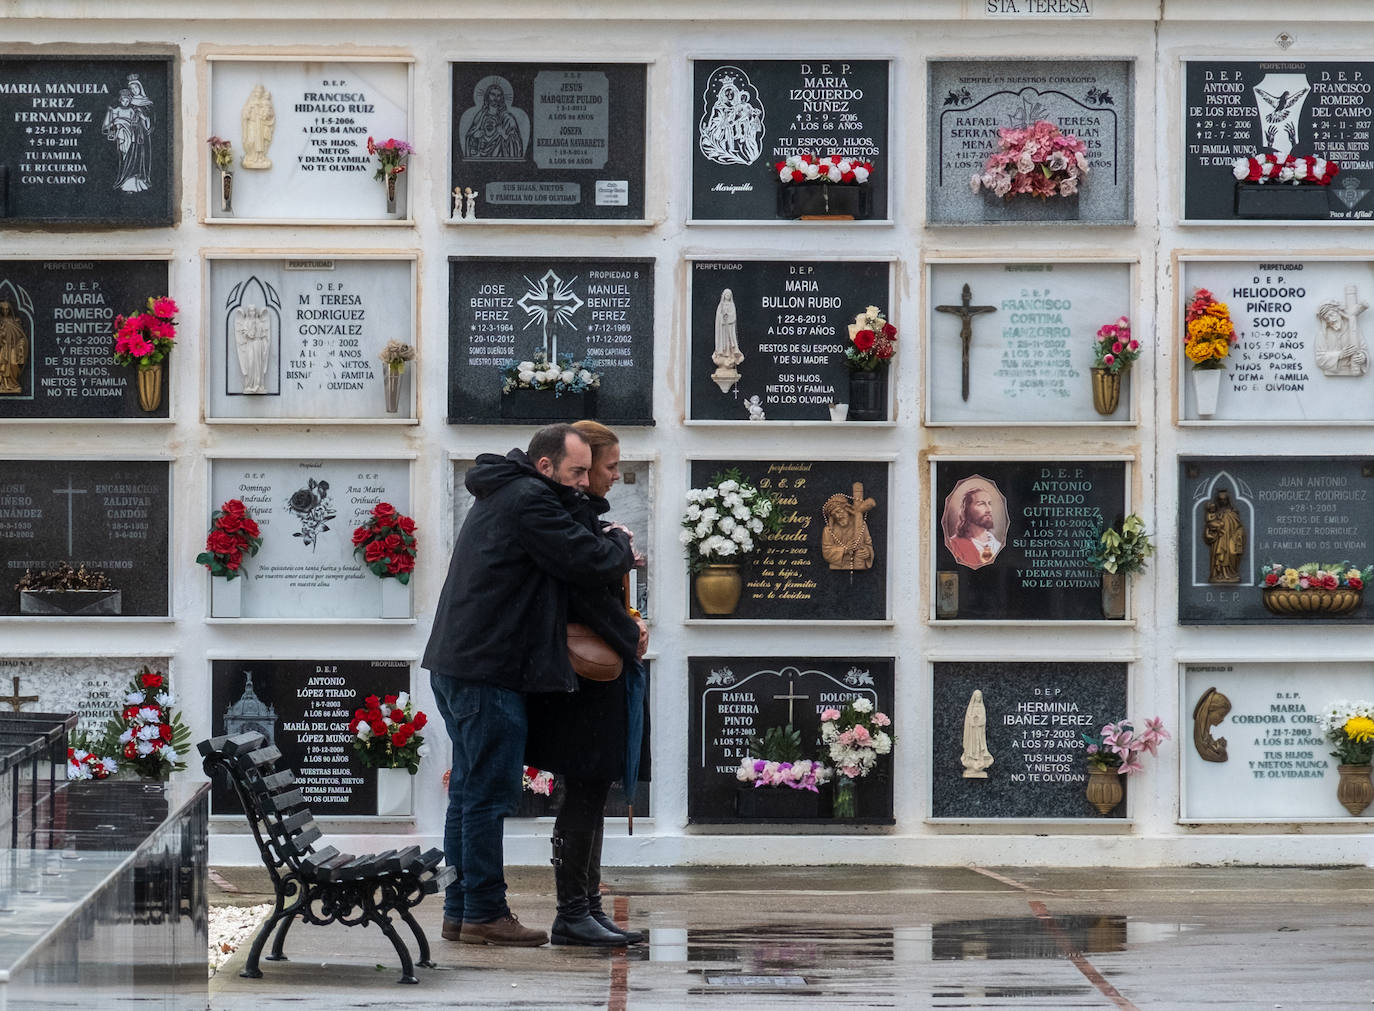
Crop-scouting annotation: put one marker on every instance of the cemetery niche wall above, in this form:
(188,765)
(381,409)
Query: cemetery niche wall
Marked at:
(769,336)
(299,132)
(734,699)
(971,100)
(548,141)
(829,561)
(1253,743)
(90,686)
(303,707)
(1006,738)
(1021,350)
(584,326)
(88,140)
(1300,355)
(748,115)
(57,338)
(1236,110)
(108,517)
(1239,514)
(299,338)
(307,511)
(1011,539)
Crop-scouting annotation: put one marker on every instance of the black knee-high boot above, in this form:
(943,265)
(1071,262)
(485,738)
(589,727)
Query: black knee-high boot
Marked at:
(594,891)
(574,925)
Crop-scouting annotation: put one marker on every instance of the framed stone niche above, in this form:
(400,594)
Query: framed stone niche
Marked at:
(299,127)
(1251,738)
(1006,737)
(830,561)
(108,516)
(768,339)
(1010,539)
(633,502)
(733,699)
(307,510)
(548,143)
(57,337)
(302,707)
(298,338)
(91,685)
(1031,333)
(89,139)
(595,310)
(1239,513)
(970,100)
(749,114)
(1302,355)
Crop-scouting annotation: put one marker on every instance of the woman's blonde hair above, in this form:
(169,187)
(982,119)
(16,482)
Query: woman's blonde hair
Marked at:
(597,435)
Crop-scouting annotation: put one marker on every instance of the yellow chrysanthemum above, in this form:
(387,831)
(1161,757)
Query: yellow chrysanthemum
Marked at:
(1219,310)
(1290,578)
(1360,728)
(1353,574)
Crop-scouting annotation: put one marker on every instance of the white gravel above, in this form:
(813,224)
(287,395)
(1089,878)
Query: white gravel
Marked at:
(231,926)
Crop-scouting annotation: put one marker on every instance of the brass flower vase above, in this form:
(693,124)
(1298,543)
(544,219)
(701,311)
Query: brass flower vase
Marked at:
(390,193)
(1355,790)
(392,387)
(1114,595)
(150,387)
(1281,600)
(718,588)
(1104,790)
(1106,391)
(226,193)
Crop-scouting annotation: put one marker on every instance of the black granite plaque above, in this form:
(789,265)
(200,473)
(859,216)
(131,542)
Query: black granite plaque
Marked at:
(304,707)
(502,311)
(747,115)
(1236,110)
(791,325)
(734,698)
(61,315)
(87,139)
(550,140)
(110,515)
(789,576)
(1035,716)
(1237,514)
(1030,563)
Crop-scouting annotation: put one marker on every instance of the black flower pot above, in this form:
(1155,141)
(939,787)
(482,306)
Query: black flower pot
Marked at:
(768,802)
(868,395)
(845,201)
(1282,201)
(523,404)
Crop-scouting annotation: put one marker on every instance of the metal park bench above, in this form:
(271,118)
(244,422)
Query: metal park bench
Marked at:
(321,886)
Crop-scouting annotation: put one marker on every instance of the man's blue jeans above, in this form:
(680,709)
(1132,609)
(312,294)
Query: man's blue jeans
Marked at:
(487,725)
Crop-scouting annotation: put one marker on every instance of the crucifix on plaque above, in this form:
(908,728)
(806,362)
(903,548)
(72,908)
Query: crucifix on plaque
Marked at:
(70,492)
(550,301)
(791,698)
(16,700)
(966,312)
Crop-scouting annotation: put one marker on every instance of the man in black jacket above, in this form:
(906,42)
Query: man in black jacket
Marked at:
(500,631)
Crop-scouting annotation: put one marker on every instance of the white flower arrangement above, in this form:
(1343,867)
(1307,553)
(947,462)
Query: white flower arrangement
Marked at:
(723,521)
(835,168)
(538,373)
(856,736)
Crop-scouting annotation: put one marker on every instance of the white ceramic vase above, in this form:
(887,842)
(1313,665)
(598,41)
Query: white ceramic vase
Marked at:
(226,597)
(1206,390)
(395,598)
(395,792)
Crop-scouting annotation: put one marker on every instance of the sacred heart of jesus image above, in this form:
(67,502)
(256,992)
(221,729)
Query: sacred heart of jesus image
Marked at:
(974,521)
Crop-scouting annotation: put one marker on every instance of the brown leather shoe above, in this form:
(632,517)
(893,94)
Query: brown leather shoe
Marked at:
(505,930)
(451,931)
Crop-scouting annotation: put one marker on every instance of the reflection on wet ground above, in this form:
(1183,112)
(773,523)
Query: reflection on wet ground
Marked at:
(899,937)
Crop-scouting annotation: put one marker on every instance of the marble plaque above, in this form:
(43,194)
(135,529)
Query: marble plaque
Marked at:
(596,310)
(631,500)
(306,132)
(748,115)
(790,323)
(1035,715)
(1301,353)
(87,140)
(307,511)
(303,707)
(1014,536)
(299,338)
(790,576)
(110,515)
(90,686)
(58,337)
(735,698)
(1031,359)
(1299,107)
(972,99)
(1259,724)
(548,140)
(1236,514)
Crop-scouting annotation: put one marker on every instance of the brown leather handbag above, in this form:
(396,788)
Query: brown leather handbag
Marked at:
(590,655)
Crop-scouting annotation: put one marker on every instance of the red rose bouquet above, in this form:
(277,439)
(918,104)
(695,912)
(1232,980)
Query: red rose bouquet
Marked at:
(146,734)
(386,543)
(386,733)
(146,338)
(232,533)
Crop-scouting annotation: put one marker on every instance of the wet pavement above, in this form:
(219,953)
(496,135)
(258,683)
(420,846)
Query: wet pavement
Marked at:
(830,937)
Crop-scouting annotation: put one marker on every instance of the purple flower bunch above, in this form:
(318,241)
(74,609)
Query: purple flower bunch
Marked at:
(800,775)
(1119,746)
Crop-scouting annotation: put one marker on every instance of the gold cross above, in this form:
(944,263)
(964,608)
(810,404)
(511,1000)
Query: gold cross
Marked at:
(16,700)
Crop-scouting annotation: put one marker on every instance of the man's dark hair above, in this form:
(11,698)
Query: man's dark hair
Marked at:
(962,530)
(551,441)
